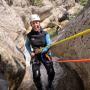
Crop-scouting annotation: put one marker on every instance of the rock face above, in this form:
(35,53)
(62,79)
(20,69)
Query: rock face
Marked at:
(49,8)
(12,64)
(14,18)
(81,43)
(79,47)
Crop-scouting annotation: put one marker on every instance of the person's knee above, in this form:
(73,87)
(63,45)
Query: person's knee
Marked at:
(36,75)
(51,71)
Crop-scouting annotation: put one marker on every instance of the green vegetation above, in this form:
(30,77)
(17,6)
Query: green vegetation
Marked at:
(53,32)
(71,17)
(83,2)
(37,2)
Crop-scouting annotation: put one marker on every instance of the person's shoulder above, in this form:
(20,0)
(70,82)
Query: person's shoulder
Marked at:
(45,32)
(29,34)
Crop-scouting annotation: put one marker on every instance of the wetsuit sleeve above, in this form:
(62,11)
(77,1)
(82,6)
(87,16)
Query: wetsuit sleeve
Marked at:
(48,39)
(48,43)
(28,45)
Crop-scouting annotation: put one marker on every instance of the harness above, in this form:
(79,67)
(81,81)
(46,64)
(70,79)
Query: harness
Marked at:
(38,40)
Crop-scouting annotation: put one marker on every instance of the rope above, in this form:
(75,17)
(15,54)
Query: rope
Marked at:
(75,61)
(71,37)
(87,31)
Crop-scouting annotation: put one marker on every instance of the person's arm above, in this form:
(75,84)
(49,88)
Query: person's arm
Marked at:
(48,43)
(29,48)
(48,39)
(27,45)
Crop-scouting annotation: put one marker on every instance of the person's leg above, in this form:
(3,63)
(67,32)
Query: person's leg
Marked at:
(50,70)
(36,75)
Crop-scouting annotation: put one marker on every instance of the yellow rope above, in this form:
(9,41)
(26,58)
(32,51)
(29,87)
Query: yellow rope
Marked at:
(87,31)
(71,37)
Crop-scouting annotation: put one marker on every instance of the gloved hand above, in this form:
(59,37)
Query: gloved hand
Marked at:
(37,51)
(32,54)
(44,50)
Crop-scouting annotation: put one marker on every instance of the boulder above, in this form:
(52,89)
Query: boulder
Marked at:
(12,63)
(77,48)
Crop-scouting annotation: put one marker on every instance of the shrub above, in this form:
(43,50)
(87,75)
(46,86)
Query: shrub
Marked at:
(37,2)
(83,2)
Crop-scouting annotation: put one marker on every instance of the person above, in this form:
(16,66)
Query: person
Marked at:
(37,39)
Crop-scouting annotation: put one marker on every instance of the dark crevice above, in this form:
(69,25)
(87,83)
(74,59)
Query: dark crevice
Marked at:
(71,79)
